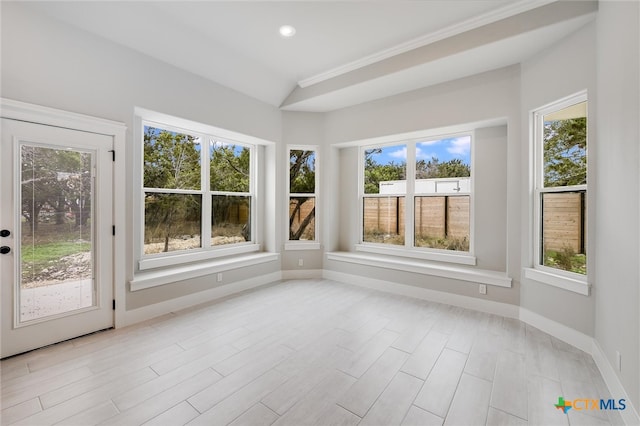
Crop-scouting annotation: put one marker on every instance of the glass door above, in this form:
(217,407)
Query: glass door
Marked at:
(56,262)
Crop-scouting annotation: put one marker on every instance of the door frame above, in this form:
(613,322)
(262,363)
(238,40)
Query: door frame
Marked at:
(22,111)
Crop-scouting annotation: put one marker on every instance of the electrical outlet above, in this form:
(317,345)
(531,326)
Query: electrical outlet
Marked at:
(482,288)
(300,262)
(220,277)
(619,361)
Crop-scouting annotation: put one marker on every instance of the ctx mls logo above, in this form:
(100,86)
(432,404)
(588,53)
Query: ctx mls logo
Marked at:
(590,404)
(563,405)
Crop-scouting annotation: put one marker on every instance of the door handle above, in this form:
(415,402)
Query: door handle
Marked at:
(5,249)
(5,233)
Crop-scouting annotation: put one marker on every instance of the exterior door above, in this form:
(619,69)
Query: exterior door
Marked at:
(56,219)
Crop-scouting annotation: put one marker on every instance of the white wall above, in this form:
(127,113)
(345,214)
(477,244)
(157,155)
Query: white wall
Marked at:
(49,63)
(302,128)
(488,97)
(617,253)
(565,69)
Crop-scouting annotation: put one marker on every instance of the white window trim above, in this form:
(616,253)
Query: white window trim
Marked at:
(302,244)
(566,280)
(174,259)
(473,275)
(409,250)
(156,278)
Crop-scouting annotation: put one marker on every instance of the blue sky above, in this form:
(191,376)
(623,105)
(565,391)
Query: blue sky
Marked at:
(443,149)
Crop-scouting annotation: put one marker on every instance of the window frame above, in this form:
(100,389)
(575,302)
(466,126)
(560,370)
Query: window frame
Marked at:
(568,280)
(409,248)
(303,244)
(207,134)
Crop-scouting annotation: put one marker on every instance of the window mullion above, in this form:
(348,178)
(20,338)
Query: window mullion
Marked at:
(206,192)
(409,201)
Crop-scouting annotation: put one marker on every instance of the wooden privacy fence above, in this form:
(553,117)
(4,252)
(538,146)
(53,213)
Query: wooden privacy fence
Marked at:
(564,218)
(237,213)
(436,217)
(440,217)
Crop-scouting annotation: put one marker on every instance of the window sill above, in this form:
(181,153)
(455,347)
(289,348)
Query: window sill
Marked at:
(150,279)
(164,260)
(571,284)
(300,245)
(478,276)
(440,256)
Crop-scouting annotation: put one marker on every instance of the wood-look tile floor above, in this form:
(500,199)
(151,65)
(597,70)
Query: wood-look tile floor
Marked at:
(308,352)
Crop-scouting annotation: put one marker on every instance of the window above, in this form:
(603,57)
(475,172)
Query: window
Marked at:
(561,187)
(198,193)
(417,195)
(302,194)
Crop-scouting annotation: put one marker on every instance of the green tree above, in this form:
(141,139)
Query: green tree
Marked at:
(230,167)
(58,179)
(374,173)
(171,161)
(565,152)
(302,180)
(434,169)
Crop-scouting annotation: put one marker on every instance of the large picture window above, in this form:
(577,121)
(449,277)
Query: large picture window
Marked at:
(561,186)
(417,194)
(198,191)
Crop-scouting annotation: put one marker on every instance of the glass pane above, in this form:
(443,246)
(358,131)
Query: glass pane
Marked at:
(443,158)
(230,219)
(230,167)
(442,222)
(302,223)
(564,230)
(56,254)
(302,172)
(384,168)
(384,220)
(171,222)
(171,160)
(565,146)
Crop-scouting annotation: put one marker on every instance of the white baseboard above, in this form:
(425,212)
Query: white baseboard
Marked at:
(630,414)
(152,311)
(474,303)
(302,274)
(557,330)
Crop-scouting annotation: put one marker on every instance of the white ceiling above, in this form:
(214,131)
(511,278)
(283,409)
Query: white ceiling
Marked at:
(236,43)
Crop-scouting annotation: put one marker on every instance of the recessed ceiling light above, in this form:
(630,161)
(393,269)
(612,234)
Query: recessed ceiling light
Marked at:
(287,31)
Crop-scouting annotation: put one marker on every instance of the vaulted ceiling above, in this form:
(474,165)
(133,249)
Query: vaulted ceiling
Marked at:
(343,53)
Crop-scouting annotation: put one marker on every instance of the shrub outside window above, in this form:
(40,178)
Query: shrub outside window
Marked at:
(561,186)
(198,191)
(424,183)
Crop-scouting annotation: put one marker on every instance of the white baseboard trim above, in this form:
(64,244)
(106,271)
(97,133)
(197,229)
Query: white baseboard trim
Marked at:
(557,330)
(630,414)
(477,304)
(302,274)
(152,311)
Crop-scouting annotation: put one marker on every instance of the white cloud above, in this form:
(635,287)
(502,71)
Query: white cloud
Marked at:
(400,154)
(460,146)
(424,155)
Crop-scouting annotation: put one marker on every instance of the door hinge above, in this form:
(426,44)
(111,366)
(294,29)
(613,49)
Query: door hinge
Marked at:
(113,154)
(113,230)
(114,304)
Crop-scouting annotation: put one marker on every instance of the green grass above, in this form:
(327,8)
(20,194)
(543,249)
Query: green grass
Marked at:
(447,243)
(36,258)
(567,260)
